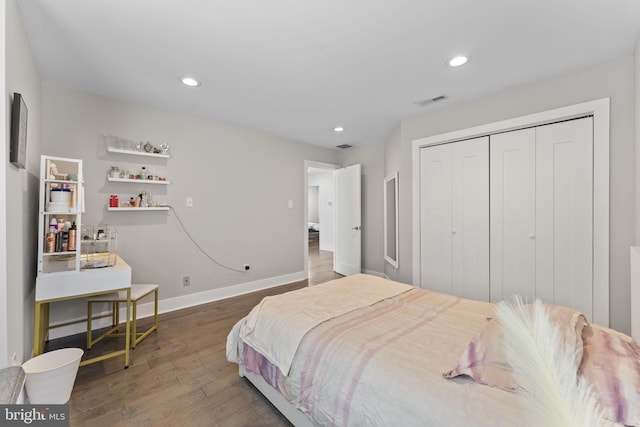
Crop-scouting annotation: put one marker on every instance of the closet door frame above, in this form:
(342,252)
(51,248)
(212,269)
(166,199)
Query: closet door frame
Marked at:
(599,109)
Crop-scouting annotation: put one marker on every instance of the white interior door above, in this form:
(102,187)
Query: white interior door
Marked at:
(470,218)
(435,218)
(564,214)
(542,214)
(513,222)
(347,256)
(454,218)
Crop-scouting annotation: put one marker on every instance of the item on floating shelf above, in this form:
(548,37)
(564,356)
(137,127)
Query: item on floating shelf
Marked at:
(113,201)
(115,172)
(143,172)
(145,199)
(148,147)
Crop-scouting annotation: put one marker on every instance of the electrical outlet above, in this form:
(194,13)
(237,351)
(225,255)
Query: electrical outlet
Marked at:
(186,281)
(247,267)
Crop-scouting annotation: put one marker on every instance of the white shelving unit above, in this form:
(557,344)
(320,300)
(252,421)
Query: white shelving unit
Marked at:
(67,179)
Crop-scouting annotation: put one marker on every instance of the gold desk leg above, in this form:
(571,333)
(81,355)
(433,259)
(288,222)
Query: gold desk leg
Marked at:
(127,330)
(40,327)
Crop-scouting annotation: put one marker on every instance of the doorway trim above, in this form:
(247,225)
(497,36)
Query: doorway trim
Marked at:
(305,236)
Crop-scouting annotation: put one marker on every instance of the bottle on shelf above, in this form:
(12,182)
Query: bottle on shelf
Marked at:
(72,237)
(50,245)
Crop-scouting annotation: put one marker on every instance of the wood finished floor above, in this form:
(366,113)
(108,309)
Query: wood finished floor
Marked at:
(320,264)
(179,375)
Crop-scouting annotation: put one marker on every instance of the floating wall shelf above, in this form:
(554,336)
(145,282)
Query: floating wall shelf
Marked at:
(159,208)
(139,181)
(137,153)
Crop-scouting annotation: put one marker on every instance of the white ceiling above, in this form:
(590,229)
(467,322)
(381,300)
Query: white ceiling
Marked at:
(299,68)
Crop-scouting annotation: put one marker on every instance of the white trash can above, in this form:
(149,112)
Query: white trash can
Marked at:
(50,376)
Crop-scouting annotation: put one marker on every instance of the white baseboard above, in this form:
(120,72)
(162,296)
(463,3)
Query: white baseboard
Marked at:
(184,301)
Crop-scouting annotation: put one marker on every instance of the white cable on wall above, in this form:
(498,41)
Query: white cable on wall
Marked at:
(199,247)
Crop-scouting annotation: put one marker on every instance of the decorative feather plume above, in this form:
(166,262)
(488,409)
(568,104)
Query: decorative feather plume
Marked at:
(545,368)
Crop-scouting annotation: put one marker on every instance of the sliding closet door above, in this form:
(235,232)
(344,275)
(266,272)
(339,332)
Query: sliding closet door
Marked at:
(470,218)
(512,204)
(454,218)
(564,214)
(435,218)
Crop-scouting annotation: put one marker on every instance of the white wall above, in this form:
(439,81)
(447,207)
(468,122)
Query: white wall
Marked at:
(636,77)
(635,275)
(240,181)
(613,79)
(325,184)
(21,191)
(4,125)
(314,194)
(372,160)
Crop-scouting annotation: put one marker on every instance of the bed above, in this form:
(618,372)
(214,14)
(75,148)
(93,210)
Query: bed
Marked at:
(363,350)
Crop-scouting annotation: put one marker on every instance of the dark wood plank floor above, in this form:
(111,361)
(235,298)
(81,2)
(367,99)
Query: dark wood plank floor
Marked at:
(179,375)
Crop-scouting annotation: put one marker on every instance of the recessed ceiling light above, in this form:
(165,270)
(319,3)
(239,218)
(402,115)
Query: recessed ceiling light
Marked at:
(457,61)
(190,81)
(338,129)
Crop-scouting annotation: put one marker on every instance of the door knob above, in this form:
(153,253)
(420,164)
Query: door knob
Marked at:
(357,227)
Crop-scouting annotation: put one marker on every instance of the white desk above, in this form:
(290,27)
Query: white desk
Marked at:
(68,285)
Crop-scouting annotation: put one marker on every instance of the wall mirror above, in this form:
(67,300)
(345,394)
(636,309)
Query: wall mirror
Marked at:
(391,219)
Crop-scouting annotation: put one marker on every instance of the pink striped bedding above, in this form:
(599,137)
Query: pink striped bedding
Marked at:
(382,364)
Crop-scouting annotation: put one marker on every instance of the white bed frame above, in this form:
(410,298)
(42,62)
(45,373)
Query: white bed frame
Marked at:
(297,417)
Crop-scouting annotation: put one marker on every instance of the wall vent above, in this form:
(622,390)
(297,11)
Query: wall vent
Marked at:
(343,146)
(431,101)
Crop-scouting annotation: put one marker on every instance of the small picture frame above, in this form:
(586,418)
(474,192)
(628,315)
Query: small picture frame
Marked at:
(18,147)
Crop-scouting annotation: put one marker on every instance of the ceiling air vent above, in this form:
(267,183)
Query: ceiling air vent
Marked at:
(431,101)
(343,146)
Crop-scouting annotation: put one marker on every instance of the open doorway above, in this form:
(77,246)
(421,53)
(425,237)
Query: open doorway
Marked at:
(320,222)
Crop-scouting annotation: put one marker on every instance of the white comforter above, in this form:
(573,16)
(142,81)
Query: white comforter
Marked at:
(300,311)
(382,365)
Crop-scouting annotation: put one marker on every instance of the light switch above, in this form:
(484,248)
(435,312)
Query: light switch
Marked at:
(290,204)
(189,202)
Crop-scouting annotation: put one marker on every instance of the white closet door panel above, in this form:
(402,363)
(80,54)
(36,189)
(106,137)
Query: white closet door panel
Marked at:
(512,204)
(435,218)
(470,218)
(564,213)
